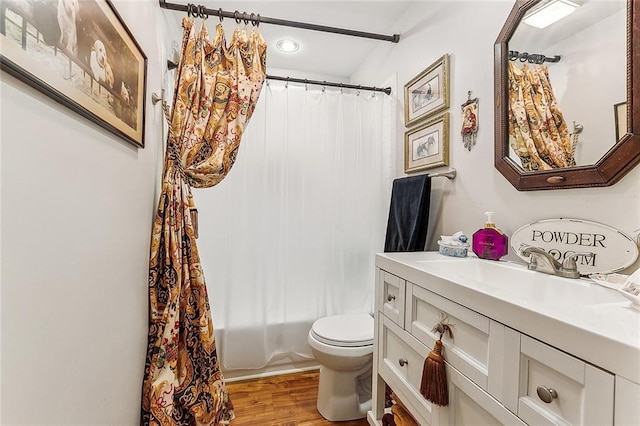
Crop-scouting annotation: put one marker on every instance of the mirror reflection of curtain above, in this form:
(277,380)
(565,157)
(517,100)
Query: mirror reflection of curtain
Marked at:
(292,233)
(217,88)
(538,132)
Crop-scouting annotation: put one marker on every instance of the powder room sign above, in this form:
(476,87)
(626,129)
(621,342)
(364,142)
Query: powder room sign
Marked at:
(612,250)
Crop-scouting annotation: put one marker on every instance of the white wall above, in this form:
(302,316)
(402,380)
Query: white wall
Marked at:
(467,30)
(77,204)
(76,213)
(589,80)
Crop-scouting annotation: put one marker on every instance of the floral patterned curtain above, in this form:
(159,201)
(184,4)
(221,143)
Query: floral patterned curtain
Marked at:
(217,87)
(538,132)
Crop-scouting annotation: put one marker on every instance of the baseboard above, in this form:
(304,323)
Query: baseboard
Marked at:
(275,370)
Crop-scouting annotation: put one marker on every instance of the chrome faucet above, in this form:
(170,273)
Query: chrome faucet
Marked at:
(540,260)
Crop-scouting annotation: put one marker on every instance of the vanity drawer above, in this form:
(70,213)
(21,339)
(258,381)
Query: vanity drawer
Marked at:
(477,341)
(391,293)
(470,405)
(400,363)
(577,392)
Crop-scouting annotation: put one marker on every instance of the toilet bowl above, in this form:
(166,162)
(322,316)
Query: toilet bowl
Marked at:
(343,345)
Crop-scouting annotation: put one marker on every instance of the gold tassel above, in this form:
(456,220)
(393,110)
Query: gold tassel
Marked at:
(194,215)
(434,377)
(194,221)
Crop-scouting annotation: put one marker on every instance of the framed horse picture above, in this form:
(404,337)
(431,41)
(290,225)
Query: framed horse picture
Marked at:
(427,93)
(81,54)
(427,146)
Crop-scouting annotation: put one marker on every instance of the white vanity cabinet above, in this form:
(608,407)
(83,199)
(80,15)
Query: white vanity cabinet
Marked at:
(477,348)
(497,373)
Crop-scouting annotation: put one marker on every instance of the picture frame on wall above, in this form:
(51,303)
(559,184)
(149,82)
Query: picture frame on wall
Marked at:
(427,146)
(81,54)
(620,115)
(428,92)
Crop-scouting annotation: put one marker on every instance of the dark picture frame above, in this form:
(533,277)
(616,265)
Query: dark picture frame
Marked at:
(81,54)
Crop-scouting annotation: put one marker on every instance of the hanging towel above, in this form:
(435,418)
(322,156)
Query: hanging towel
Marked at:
(408,214)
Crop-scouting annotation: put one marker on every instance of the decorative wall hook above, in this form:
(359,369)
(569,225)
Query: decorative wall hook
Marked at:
(469,121)
(165,106)
(155,98)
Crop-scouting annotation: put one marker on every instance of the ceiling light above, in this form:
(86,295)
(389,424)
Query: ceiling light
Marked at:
(550,13)
(288,45)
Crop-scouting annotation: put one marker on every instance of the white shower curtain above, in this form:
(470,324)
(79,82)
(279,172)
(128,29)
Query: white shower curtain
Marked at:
(291,235)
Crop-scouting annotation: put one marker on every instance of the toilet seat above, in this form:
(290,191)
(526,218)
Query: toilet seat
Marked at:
(349,330)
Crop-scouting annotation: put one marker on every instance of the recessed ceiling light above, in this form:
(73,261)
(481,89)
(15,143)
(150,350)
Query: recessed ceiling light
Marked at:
(288,45)
(550,13)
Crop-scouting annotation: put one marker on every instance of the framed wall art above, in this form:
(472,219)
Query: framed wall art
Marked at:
(620,115)
(427,146)
(81,54)
(427,93)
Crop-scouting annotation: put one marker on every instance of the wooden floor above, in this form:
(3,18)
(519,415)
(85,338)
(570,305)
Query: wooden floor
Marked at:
(285,400)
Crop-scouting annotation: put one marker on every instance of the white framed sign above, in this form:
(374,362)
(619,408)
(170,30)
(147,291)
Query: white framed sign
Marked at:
(612,249)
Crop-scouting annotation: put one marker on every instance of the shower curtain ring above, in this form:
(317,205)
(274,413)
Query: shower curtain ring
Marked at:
(254,22)
(220,15)
(236,16)
(202,12)
(258,20)
(245,18)
(190,10)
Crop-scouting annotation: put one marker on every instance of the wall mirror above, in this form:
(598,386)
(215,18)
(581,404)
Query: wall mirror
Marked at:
(568,95)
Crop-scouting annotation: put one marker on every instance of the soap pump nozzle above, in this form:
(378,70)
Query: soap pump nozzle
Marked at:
(489,223)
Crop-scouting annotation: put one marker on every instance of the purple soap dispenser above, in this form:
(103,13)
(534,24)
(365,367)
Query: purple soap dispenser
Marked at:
(490,242)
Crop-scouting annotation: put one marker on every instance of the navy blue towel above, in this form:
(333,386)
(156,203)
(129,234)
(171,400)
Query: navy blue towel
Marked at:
(408,214)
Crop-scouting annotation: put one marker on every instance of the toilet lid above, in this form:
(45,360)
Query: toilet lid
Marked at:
(344,330)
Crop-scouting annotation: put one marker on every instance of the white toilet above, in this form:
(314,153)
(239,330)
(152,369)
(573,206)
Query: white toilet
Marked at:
(343,345)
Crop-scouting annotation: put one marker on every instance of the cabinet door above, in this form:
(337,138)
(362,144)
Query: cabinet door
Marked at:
(469,405)
(627,403)
(558,389)
(390,296)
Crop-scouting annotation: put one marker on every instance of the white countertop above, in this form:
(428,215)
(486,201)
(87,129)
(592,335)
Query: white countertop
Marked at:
(605,333)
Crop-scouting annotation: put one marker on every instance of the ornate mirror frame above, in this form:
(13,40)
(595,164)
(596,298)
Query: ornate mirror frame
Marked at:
(617,162)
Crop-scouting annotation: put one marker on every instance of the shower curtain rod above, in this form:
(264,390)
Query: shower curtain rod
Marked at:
(532,58)
(386,90)
(172,65)
(257,19)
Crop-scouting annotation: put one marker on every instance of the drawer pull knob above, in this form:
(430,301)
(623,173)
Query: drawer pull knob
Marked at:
(546,394)
(390,297)
(403,362)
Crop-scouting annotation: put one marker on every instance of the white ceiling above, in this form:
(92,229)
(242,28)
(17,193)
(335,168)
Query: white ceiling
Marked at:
(320,52)
(340,55)
(589,13)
